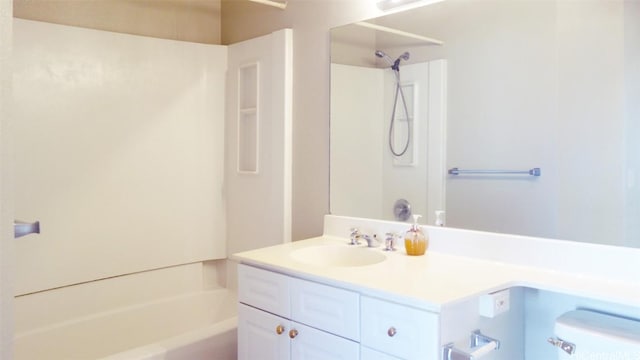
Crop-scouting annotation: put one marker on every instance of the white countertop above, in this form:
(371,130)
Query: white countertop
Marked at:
(439,278)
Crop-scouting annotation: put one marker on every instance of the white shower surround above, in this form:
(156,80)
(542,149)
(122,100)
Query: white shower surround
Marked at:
(362,102)
(124,141)
(121,141)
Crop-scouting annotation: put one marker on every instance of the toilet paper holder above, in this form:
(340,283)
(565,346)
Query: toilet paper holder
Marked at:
(479,344)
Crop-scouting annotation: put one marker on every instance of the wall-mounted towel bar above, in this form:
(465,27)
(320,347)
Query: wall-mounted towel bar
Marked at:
(480,345)
(532,172)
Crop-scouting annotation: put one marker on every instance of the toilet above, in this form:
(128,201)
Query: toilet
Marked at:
(596,336)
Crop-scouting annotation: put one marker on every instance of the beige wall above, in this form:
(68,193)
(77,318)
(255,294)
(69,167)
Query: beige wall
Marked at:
(310,21)
(185,20)
(6,197)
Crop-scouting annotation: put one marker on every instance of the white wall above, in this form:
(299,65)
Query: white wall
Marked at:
(357,133)
(590,121)
(498,116)
(632,124)
(121,150)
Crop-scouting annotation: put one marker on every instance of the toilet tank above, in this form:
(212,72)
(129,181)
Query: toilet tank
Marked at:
(597,336)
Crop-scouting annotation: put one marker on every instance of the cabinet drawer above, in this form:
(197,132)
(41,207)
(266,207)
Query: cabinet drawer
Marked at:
(326,308)
(265,290)
(398,330)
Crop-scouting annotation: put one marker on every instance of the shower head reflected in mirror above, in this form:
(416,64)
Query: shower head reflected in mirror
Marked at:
(395,64)
(381,54)
(399,95)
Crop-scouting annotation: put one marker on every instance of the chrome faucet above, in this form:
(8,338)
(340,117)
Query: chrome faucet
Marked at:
(356,235)
(372,241)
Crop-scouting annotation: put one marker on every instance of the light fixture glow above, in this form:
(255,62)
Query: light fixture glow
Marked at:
(400,33)
(277,4)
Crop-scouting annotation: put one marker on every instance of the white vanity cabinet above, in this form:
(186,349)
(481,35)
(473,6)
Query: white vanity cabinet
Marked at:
(281,317)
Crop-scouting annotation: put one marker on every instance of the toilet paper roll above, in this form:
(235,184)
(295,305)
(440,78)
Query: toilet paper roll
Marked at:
(483,350)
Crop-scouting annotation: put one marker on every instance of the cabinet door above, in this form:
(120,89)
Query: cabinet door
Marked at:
(262,335)
(370,354)
(265,290)
(312,344)
(326,308)
(399,330)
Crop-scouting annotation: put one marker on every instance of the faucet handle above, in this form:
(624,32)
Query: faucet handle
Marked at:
(389,241)
(355,236)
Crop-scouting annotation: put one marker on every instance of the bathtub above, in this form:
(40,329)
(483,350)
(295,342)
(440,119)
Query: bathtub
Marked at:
(215,342)
(193,326)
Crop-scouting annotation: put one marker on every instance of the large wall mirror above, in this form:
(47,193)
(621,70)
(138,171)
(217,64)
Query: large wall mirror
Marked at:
(492,85)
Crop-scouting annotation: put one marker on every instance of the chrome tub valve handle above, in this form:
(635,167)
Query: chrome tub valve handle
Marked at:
(21,228)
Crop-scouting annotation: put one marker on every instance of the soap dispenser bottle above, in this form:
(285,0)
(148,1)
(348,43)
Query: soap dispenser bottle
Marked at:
(415,241)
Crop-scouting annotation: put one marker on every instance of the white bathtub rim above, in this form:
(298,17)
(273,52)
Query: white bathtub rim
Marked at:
(118,310)
(211,307)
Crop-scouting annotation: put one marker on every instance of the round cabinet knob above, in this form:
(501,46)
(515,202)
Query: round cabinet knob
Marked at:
(392,331)
(293,333)
(279,329)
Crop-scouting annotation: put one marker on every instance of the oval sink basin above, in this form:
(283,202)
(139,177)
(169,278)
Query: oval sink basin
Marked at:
(338,255)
